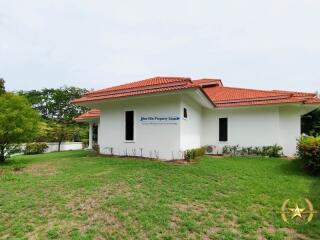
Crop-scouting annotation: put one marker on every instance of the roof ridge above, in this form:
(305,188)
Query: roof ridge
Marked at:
(297,92)
(251,89)
(137,89)
(272,91)
(254,99)
(127,85)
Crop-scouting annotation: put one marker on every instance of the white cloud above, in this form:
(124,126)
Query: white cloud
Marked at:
(92,44)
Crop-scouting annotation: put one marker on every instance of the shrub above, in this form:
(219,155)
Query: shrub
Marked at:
(96,147)
(274,151)
(309,153)
(35,148)
(194,153)
(85,141)
(269,151)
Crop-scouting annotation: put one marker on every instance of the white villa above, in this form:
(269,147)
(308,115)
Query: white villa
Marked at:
(161,117)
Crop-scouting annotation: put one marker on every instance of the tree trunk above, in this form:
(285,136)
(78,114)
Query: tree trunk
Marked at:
(2,157)
(59,146)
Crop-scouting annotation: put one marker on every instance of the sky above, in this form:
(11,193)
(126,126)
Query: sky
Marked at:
(263,44)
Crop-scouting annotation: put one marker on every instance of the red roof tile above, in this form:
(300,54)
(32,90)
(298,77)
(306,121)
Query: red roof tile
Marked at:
(213,89)
(155,81)
(232,97)
(302,94)
(208,82)
(312,100)
(148,86)
(91,114)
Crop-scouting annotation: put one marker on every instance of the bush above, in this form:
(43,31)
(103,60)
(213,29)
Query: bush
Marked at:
(309,153)
(96,147)
(85,141)
(194,153)
(268,151)
(274,151)
(35,148)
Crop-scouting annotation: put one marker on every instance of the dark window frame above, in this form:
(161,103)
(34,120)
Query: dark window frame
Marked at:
(185,113)
(223,129)
(129,131)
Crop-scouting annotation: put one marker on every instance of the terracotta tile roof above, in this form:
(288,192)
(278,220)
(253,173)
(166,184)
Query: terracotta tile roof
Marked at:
(147,86)
(155,81)
(208,82)
(91,114)
(312,100)
(231,97)
(213,89)
(295,93)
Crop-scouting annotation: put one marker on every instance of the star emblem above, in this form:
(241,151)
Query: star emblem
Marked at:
(296,212)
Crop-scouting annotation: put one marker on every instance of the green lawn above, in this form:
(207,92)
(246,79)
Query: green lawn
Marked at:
(77,195)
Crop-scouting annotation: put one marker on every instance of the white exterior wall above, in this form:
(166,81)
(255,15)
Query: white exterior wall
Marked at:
(191,127)
(156,140)
(65,146)
(254,126)
(290,129)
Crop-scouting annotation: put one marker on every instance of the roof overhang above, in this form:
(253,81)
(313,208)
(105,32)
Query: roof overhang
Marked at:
(202,98)
(91,119)
(304,108)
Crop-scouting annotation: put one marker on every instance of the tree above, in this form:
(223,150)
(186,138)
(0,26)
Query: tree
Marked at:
(54,106)
(310,123)
(18,123)
(2,87)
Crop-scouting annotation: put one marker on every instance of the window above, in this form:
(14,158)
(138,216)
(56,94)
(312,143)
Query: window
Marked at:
(223,129)
(185,113)
(129,118)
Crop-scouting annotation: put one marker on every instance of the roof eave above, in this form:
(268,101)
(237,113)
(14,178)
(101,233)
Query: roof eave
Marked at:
(92,103)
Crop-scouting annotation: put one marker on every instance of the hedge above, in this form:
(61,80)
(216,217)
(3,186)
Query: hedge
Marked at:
(266,151)
(309,153)
(35,148)
(194,153)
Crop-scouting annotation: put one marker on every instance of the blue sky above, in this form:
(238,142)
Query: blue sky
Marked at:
(267,44)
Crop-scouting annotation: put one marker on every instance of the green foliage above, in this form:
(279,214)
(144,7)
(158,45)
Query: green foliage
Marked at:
(96,147)
(50,131)
(54,104)
(191,154)
(268,151)
(35,148)
(2,87)
(310,123)
(53,233)
(18,123)
(309,153)
(57,111)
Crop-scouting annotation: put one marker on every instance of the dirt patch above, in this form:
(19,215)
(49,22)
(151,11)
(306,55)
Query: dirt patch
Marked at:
(193,207)
(91,208)
(87,211)
(40,169)
(291,234)
(215,155)
(211,232)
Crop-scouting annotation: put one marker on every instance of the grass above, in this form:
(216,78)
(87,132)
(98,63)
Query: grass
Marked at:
(77,195)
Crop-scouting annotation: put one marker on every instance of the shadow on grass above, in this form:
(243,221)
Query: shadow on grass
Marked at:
(314,195)
(293,167)
(21,160)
